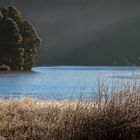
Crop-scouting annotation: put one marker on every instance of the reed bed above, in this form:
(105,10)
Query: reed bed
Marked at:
(113,116)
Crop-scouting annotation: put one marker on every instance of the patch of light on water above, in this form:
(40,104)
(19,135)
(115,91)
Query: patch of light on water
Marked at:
(64,82)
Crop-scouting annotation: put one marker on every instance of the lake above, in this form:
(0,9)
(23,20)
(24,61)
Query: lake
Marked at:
(64,82)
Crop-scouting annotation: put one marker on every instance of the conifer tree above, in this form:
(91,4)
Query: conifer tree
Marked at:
(19,41)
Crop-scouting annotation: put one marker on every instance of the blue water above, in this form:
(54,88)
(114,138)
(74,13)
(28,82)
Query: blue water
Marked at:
(64,82)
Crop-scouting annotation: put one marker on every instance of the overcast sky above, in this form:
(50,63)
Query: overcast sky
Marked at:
(84,32)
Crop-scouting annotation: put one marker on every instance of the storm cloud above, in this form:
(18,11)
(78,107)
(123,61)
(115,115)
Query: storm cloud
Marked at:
(85,32)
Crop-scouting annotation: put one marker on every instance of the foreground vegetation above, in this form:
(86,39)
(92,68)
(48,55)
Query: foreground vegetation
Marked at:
(115,117)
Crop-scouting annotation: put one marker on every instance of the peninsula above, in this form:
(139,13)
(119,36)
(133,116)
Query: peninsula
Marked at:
(19,41)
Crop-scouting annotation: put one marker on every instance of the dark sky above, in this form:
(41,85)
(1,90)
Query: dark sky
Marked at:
(85,32)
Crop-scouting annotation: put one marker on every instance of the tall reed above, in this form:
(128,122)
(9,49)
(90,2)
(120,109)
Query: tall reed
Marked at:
(113,116)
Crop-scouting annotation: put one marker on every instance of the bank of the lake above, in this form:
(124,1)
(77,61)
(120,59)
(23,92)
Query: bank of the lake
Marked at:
(116,117)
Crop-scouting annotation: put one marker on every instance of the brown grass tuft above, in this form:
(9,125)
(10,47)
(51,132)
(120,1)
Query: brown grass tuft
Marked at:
(116,117)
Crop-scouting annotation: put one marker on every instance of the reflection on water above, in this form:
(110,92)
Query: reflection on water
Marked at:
(61,82)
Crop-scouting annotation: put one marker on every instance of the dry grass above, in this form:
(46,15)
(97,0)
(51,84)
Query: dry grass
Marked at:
(116,117)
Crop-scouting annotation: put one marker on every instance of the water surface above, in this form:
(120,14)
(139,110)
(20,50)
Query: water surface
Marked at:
(64,82)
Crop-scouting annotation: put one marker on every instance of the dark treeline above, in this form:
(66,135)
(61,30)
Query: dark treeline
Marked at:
(91,32)
(19,41)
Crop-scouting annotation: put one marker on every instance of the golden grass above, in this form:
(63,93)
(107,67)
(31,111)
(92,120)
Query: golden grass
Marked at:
(116,117)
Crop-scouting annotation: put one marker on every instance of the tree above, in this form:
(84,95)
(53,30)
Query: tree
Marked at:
(19,41)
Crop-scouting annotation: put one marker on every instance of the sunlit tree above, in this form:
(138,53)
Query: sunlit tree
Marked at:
(19,41)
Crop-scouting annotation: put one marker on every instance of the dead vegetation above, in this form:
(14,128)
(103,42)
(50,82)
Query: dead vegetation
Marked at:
(115,117)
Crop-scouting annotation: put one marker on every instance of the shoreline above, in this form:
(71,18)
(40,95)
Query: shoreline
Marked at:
(103,118)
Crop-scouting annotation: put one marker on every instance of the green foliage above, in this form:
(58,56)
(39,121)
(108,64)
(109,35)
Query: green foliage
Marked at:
(19,41)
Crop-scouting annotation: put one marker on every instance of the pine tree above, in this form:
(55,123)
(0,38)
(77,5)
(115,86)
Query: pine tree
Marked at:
(19,41)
